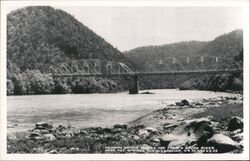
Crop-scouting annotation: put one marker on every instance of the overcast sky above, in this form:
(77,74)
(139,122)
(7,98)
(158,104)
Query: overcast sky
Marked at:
(130,27)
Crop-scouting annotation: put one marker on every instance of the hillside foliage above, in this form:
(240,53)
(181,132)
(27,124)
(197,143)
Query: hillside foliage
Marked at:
(229,45)
(226,45)
(151,54)
(41,36)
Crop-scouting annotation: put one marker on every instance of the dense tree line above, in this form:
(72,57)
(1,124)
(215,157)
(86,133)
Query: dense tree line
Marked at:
(34,82)
(218,82)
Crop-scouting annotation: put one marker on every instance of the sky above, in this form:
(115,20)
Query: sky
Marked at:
(130,27)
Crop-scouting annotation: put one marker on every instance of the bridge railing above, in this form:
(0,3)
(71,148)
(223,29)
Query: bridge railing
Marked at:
(90,67)
(187,63)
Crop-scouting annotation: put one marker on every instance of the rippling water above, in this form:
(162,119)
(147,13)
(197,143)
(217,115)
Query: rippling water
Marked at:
(85,110)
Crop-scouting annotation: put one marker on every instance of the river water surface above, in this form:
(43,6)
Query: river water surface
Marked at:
(87,110)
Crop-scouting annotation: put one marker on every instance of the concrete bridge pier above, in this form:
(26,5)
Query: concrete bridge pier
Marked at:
(133,85)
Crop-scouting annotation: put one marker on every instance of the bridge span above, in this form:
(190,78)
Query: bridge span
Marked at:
(195,72)
(164,67)
(134,77)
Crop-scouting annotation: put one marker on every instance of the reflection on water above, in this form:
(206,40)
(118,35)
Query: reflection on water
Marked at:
(85,110)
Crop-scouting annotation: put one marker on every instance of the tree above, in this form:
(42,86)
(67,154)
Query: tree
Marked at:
(10,87)
(61,87)
(20,87)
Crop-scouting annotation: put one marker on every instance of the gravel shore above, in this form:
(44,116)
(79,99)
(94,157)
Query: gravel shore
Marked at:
(204,126)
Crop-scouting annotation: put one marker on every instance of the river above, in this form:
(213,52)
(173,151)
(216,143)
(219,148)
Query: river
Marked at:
(88,110)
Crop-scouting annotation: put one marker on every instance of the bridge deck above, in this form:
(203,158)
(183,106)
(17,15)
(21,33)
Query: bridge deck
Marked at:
(193,72)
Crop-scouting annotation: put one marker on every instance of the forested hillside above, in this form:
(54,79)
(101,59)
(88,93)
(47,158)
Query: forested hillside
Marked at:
(148,54)
(228,45)
(41,36)
(38,37)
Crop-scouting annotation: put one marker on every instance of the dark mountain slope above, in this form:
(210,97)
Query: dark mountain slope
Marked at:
(226,45)
(229,45)
(141,55)
(38,37)
(41,36)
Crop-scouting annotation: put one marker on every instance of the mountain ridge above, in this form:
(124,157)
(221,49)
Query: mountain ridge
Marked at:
(225,45)
(40,36)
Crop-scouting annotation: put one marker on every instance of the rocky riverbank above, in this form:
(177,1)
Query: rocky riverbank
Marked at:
(204,126)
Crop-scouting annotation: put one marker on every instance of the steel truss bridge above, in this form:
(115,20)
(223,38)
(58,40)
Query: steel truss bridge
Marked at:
(196,65)
(184,65)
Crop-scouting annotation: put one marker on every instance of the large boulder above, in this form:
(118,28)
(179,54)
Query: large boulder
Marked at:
(143,132)
(49,137)
(148,131)
(34,134)
(222,143)
(153,130)
(189,132)
(235,123)
(44,131)
(237,137)
(183,103)
(53,151)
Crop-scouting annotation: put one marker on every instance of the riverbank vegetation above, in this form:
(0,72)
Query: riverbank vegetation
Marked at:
(217,82)
(34,82)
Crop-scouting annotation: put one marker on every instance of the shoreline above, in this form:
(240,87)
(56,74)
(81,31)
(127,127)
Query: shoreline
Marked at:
(15,126)
(151,130)
(141,91)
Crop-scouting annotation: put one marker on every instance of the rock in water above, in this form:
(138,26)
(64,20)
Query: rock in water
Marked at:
(222,143)
(235,123)
(185,102)
(147,92)
(43,125)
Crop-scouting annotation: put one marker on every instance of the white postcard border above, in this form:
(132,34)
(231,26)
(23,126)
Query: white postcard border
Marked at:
(188,3)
